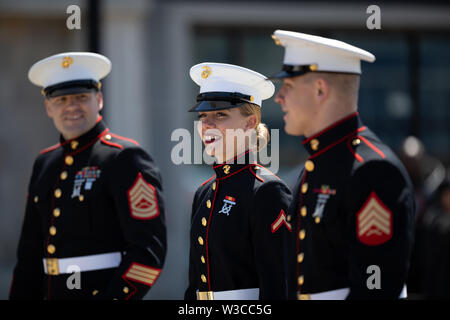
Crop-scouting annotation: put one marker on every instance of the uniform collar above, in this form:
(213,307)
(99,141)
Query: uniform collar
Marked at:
(235,165)
(333,134)
(85,140)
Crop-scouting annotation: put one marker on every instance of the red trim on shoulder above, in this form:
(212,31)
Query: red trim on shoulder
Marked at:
(123,138)
(251,170)
(208,180)
(372,147)
(112,144)
(357,156)
(331,127)
(56,146)
(268,171)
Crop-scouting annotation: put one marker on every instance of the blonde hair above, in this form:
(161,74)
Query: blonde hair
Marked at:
(262,132)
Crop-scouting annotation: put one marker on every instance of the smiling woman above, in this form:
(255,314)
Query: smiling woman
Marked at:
(239,228)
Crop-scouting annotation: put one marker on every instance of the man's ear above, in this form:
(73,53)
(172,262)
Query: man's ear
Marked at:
(322,89)
(99,97)
(48,108)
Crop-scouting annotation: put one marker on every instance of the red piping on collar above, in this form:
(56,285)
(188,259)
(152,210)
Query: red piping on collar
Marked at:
(251,164)
(235,158)
(354,114)
(90,143)
(337,142)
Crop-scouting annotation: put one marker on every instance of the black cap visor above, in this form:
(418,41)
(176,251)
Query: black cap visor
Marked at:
(213,101)
(71,87)
(290,71)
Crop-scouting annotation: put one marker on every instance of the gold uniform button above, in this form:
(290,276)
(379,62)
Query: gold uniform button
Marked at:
(355,142)
(36,199)
(203,277)
(63,175)
(301,280)
(74,144)
(214,186)
(200,240)
(314,144)
(68,160)
(56,212)
(303,211)
(81,198)
(300,257)
(202,258)
(208,204)
(302,234)
(58,193)
(204,222)
(288,218)
(95,292)
(52,230)
(108,137)
(51,249)
(304,187)
(317,219)
(309,166)
(126,290)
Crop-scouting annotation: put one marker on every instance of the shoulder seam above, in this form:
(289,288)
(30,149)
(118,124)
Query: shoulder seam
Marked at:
(123,138)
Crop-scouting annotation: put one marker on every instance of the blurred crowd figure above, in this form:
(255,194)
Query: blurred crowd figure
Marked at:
(429,276)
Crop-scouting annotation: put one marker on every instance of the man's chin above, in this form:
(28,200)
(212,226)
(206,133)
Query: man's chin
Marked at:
(292,131)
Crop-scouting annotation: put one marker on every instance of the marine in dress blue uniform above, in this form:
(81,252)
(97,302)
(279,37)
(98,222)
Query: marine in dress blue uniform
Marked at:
(239,223)
(353,204)
(95,208)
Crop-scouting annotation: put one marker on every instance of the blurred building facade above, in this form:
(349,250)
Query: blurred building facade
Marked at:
(152,45)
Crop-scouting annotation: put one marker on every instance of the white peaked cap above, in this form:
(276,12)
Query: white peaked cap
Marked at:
(69,66)
(323,54)
(222,77)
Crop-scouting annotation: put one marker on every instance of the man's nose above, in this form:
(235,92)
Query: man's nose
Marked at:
(279,98)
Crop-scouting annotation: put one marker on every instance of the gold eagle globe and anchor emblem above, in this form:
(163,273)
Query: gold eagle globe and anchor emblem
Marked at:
(206,72)
(67,61)
(226,169)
